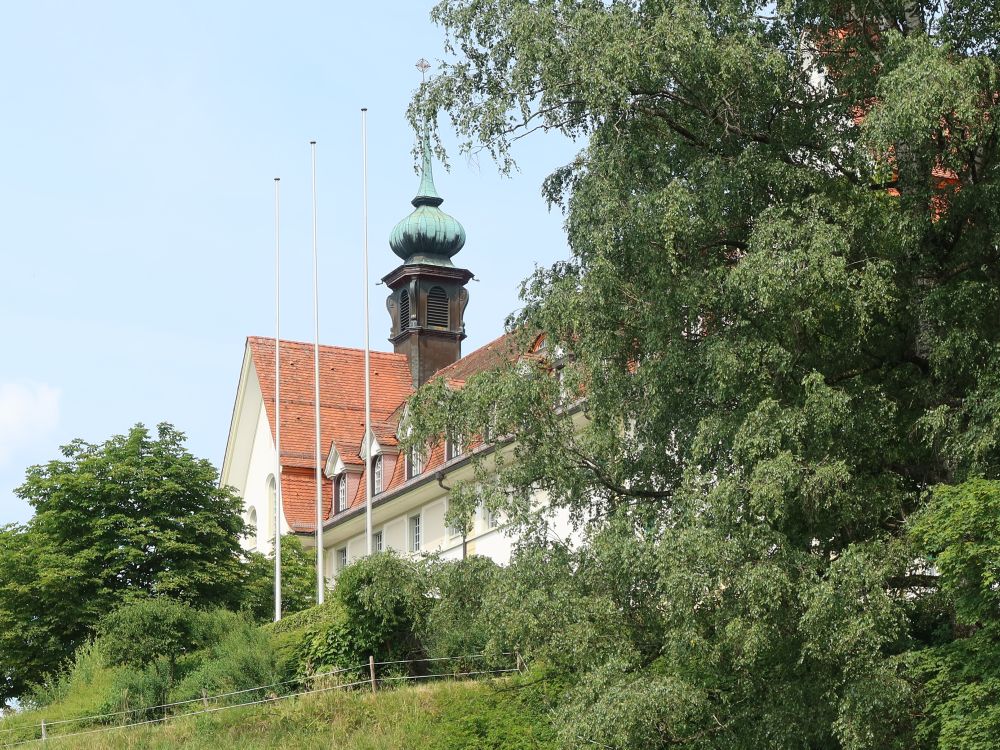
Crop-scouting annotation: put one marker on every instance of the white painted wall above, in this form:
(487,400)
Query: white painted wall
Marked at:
(260,471)
(393,521)
(250,460)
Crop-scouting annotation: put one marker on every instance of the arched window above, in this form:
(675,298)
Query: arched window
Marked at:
(437,308)
(404,310)
(342,493)
(272,501)
(377,475)
(252,528)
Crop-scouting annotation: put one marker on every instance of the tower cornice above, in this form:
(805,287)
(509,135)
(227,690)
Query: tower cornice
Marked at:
(426,271)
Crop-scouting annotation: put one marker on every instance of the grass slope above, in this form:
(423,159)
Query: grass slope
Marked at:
(506,714)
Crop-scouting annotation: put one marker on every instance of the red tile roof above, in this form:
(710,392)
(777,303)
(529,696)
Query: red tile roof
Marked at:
(501,349)
(342,412)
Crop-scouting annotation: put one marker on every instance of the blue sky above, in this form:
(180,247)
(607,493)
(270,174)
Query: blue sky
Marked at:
(139,144)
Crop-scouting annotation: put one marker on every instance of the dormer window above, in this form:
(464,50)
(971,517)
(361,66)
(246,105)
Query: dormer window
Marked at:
(342,493)
(377,475)
(454,447)
(414,463)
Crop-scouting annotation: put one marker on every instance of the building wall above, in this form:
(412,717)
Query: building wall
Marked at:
(393,520)
(260,469)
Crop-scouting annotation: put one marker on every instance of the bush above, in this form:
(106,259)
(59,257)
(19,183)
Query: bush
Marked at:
(80,678)
(137,690)
(378,606)
(298,580)
(139,633)
(244,658)
(290,636)
(458,623)
(161,645)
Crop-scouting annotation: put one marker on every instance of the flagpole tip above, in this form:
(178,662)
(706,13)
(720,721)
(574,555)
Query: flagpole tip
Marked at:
(312,143)
(364,109)
(277,179)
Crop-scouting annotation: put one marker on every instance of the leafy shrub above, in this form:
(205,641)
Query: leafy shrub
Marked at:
(377,607)
(161,645)
(80,677)
(458,623)
(139,633)
(242,659)
(298,580)
(290,637)
(138,690)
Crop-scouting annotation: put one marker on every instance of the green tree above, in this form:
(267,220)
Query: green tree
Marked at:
(959,536)
(783,308)
(298,580)
(134,516)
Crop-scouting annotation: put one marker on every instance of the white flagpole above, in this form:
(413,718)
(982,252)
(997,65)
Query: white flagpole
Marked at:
(277,402)
(320,578)
(368,384)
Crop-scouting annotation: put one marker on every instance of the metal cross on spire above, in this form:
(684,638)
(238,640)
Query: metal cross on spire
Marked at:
(423,66)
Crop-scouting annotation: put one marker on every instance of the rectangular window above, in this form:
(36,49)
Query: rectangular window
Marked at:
(414,463)
(341,558)
(415,533)
(454,448)
(455,529)
(490,517)
(377,541)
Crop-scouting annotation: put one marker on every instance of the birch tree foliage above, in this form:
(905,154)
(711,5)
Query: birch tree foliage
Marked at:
(776,331)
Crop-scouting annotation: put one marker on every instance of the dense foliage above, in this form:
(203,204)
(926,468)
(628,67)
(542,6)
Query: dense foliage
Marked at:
(135,516)
(158,651)
(298,580)
(778,330)
(376,609)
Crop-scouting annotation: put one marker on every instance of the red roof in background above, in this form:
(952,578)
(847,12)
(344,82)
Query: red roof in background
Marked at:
(501,349)
(342,412)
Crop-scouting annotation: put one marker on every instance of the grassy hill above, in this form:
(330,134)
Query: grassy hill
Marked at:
(506,714)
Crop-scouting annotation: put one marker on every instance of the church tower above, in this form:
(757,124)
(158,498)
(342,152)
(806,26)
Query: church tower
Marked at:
(428,299)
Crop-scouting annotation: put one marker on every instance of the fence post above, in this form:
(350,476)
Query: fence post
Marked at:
(520,661)
(45,733)
(204,697)
(371,668)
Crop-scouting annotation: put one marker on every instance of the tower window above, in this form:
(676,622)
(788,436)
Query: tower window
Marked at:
(437,308)
(404,310)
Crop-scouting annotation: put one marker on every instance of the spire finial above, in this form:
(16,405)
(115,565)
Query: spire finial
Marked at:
(427,194)
(428,235)
(423,66)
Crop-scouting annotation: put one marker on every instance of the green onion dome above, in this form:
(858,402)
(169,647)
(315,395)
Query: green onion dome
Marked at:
(428,235)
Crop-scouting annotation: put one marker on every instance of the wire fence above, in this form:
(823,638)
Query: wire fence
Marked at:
(41,732)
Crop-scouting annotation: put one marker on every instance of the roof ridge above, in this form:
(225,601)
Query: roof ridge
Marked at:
(330,347)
